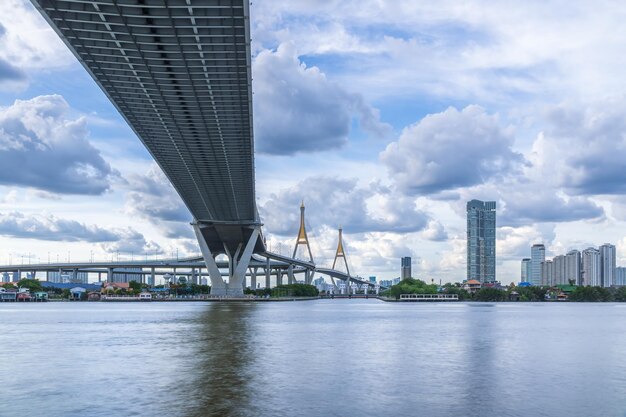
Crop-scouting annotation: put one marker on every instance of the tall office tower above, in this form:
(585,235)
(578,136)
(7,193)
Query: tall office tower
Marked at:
(481,240)
(591,271)
(537,256)
(559,270)
(525,275)
(405,267)
(620,276)
(547,273)
(607,264)
(572,267)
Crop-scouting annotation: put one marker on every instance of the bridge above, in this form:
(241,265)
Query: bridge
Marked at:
(179,73)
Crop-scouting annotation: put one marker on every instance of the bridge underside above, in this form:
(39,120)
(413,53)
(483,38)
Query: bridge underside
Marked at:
(179,72)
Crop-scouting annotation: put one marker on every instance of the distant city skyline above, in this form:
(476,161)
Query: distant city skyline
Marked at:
(454,106)
(590,267)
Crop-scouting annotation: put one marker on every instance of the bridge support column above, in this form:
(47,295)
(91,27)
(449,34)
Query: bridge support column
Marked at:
(279,277)
(239,262)
(152,281)
(110,275)
(268,273)
(253,279)
(290,277)
(218,286)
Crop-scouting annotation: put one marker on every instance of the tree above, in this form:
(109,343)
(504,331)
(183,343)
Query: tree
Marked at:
(620,294)
(135,287)
(591,294)
(411,286)
(33,285)
(295,290)
(490,294)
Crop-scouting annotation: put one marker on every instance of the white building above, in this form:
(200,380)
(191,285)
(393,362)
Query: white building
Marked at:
(591,270)
(607,264)
(573,266)
(537,256)
(526,270)
(559,270)
(620,276)
(547,273)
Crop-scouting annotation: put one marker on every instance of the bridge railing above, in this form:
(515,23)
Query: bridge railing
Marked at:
(429,297)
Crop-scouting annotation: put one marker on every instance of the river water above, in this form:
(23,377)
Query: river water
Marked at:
(314,358)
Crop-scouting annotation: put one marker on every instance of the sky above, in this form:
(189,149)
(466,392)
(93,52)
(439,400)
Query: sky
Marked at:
(384,117)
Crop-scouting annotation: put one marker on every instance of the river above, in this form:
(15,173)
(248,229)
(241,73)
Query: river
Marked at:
(313,358)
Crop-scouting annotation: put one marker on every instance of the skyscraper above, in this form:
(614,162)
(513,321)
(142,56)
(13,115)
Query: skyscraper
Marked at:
(537,256)
(481,240)
(591,271)
(620,276)
(526,270)
(572,267)
(405,267)
(607,265)
(547,273)
(559,270)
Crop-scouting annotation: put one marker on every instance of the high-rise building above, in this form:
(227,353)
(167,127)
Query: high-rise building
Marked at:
(547,273)
(537,256)
(481,240)
(591,271)
(526,270)
(573,267)
(67,276)
(559,270)
(620,276)
(607,264)
(405,267)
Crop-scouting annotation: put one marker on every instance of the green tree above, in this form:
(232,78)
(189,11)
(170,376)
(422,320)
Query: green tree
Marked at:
(490,294)
(590,294)
(295,290)
(134,287)
(32,284)
(620,294)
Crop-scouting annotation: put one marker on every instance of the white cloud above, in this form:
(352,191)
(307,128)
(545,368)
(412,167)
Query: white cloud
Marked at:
(449,150)
(41,148)
(297,109)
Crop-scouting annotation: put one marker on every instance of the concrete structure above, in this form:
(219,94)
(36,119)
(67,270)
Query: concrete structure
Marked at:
(591,267)
(547,273)
(525,270)
(481,241)
(573,267)
(559,270)
(537,256)
(405,267)
(607,265)
(620,276)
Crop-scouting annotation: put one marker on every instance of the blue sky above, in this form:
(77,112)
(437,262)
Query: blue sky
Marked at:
(385,117)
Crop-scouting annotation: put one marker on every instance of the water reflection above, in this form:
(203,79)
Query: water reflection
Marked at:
(222,370)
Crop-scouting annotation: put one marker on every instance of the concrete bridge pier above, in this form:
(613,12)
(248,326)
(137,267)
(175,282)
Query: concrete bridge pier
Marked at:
(253,278)
(268,273)
(290,277)
(238,260)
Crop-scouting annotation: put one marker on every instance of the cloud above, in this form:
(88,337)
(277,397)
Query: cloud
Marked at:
(41,148)
(297,109)
(332,202)
(152,197)
(449,150)
(435,232)
(9,74)
(51,228)
(513,243)
(585,146)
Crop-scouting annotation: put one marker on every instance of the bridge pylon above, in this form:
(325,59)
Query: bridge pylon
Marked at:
(341,253)
(302,239)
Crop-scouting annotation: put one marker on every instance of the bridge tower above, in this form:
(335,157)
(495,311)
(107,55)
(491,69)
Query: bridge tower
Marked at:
(302,239)
(341,253)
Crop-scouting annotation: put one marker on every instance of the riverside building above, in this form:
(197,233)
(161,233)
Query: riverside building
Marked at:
(607,265)
(481,241)
(537,256)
